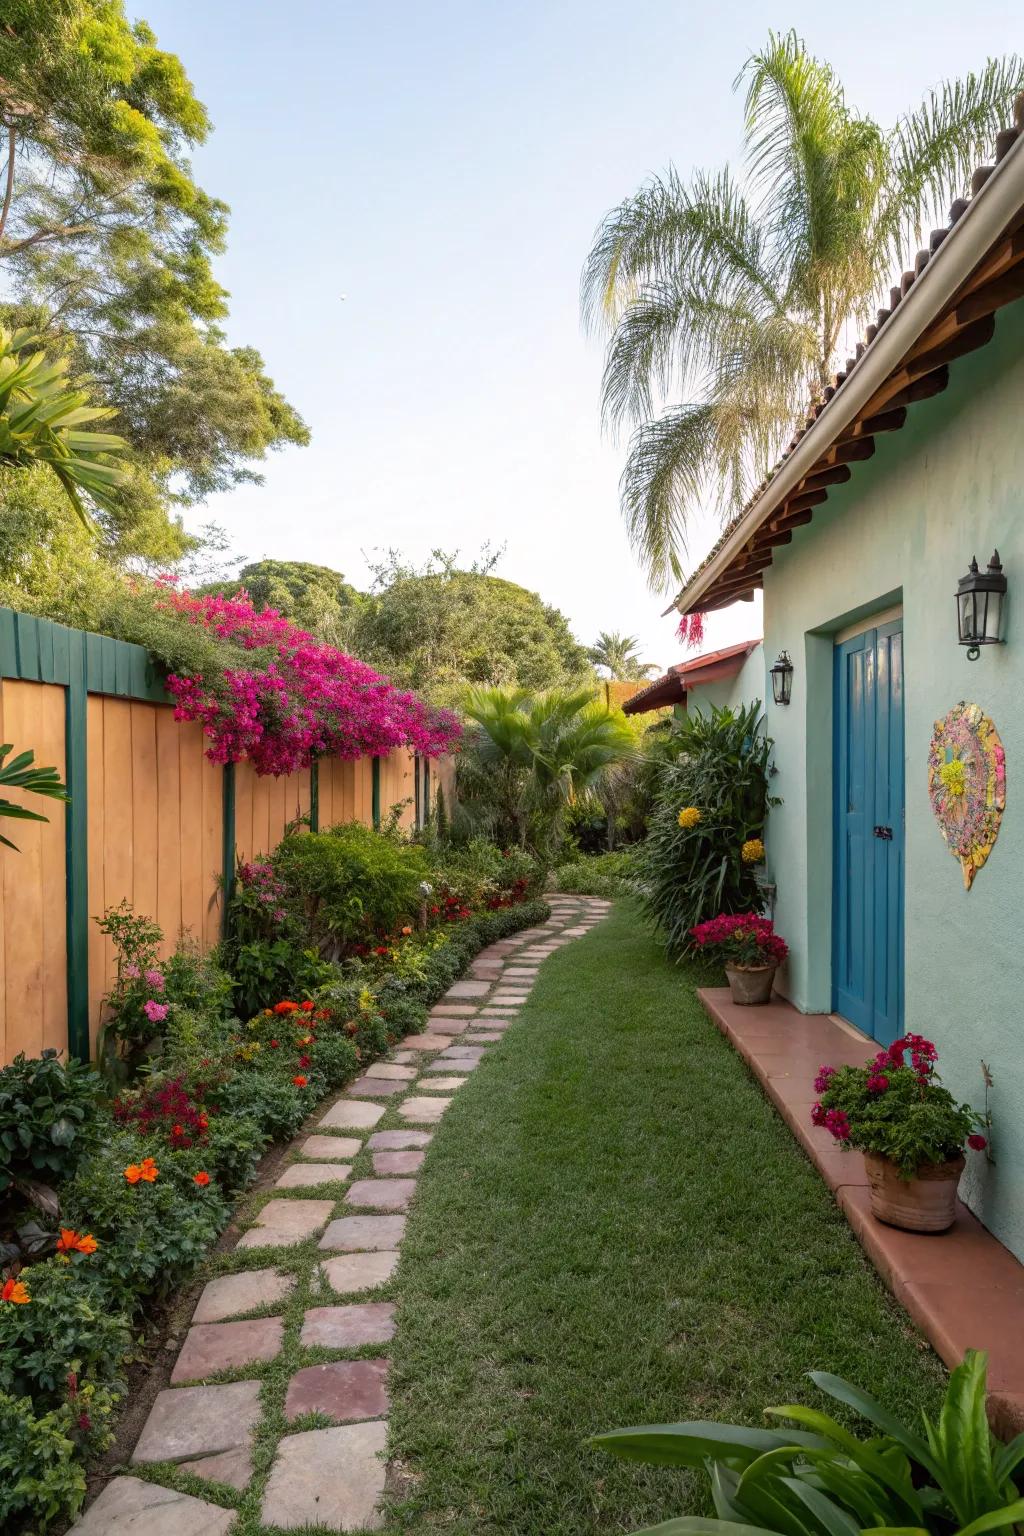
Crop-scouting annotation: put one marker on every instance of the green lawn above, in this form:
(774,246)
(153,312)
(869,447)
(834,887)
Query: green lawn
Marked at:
(613,1227)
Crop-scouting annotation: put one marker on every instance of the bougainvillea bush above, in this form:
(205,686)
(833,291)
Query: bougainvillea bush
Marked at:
(896,1107)
(281,698)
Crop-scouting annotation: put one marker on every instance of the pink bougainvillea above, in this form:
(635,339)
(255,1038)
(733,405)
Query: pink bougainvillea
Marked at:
(291,699)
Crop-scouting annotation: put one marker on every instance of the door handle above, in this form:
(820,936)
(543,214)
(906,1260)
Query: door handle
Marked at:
(885,833)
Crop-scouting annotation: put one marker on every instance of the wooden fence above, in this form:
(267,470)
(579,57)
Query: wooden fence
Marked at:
(150,820)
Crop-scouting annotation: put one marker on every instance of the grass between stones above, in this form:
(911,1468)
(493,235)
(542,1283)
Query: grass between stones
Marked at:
(613,1227)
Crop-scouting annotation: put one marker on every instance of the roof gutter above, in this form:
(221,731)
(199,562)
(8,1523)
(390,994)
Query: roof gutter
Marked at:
(967,244)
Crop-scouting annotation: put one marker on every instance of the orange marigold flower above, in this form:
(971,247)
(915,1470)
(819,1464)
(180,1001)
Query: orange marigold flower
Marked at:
(406,931)
(285,1007)
(202,1178)
(148,1170)
(300,1081)
(71,1241)
(133,1173)
(14,1290)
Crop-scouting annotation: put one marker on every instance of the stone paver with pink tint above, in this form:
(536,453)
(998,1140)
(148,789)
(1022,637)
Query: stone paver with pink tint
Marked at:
(344,1390)
(326,1479)
(382,1194)
(349,1327)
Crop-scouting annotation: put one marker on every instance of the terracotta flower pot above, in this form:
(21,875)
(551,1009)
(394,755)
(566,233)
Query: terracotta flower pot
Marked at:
(751,984)
(925,1203)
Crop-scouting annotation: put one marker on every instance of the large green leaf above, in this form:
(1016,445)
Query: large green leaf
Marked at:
(692,1444)
(865,1404)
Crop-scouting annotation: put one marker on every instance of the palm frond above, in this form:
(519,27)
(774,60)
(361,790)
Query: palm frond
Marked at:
(668,465)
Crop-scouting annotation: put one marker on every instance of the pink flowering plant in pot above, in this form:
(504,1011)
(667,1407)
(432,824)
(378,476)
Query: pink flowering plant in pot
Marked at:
(751,951)
(910,1128)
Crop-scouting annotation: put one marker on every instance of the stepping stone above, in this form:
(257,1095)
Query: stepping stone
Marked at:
(398,1141)
(512,998)
(231,1467)
(438,1084)
(229,1295)
(449,1026)
(354,1272)
(468,988)
(188,1422)
(428,1111)
(451,1011)
(305,1175)
(344,1390)
(331,1478)
(213,1347)
(129,1507)
(521,973)
(494,1020)
(388,1069)
(355,1234)
(397,1162)
(361,1322)
(350,1115)
(327,1147)
(283,1222)
(401,1058)
(374,1087)
(462,1053)
(452,1064)
(382,1194)
(485,1036)
(429,1042)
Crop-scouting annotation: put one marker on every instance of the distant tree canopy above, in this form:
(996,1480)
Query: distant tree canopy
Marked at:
(441,629)
(317,598)
(106,248)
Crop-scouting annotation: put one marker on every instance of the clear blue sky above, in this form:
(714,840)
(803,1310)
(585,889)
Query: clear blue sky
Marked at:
(444,165)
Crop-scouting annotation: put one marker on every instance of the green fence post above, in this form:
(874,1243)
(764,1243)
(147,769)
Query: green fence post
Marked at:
(228,844)
(314,796)
(426,791)
(76,849)
(376,791)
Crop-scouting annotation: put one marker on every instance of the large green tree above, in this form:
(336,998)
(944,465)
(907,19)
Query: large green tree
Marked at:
(106,251)
(620,656)
(316,597)
(440,629)
(727,298)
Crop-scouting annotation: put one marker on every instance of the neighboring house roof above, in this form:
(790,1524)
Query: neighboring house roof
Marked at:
(942,309)
(672,688)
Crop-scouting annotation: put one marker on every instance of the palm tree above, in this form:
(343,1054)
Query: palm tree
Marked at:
(730,297)
(619,655)
(531,756)
(40,419)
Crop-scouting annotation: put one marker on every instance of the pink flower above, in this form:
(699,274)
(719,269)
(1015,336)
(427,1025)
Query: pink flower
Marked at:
(154,979)
(131,972)
(155,1012)
(817,1114)
(837,1123)
(821,1082)
(977,1143)
(877,1083)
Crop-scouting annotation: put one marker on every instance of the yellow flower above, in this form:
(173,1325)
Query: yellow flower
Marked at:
(954,777)
(752,851)
(689,816)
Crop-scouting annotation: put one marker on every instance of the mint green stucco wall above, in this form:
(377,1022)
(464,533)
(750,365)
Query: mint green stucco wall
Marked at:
(903,529)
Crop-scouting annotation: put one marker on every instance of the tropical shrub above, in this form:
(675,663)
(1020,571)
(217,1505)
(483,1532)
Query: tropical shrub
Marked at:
(821,1480)
(349,884)
(49,1115)
(699,858)
(897,1108)
(600,874)
(746,939)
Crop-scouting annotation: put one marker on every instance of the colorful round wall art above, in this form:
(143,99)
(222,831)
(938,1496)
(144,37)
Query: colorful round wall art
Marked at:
(967,784)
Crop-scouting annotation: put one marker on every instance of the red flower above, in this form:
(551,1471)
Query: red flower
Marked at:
(300,1081)
(381,949)
(273,1045)
(202,1178)
(307,1006)
(977,1143)
(286,1007)
(305,1061)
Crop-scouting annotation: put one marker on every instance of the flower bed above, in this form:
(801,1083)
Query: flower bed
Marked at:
(113,1187)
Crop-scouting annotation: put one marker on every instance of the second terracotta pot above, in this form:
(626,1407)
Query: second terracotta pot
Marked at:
(925,1203)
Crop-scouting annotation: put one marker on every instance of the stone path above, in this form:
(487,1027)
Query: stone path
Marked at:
(303,1301)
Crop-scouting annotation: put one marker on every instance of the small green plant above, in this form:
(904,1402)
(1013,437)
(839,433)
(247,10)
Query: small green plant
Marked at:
(49,1115)
(821,1480)
(41,1481)
(601,874)
(135,1007)
(709,813)
(67,1328)
(897,1108)
(23,774)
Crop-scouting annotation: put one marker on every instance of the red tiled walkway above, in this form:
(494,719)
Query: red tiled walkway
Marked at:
(963,1289)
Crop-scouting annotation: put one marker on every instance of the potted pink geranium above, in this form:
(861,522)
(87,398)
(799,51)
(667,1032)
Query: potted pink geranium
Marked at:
(751,951)
(910,1129)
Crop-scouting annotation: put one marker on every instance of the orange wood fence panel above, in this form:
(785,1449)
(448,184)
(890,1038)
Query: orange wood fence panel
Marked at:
(264,807)
(33,952)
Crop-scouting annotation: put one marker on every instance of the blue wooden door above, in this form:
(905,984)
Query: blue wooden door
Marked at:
(867,948)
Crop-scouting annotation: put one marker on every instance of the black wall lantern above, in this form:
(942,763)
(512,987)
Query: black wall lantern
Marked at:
(980,600)
(782,679)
